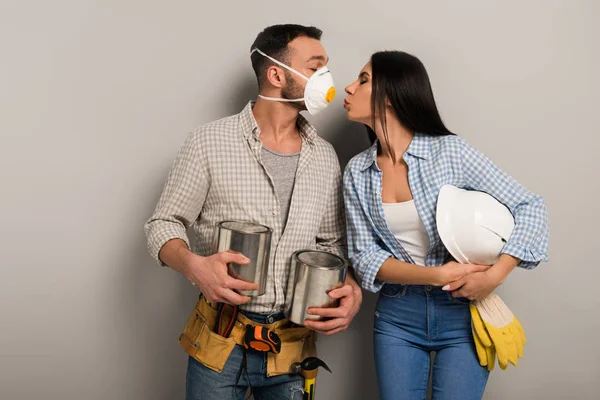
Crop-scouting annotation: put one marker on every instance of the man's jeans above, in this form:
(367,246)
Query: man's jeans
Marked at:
(205,384)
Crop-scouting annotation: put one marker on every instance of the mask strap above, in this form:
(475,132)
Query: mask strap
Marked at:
(278,62)
(278,99)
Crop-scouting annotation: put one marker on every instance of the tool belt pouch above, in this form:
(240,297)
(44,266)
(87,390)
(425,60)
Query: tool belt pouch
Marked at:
(200,342)
(296,344)
(212,350)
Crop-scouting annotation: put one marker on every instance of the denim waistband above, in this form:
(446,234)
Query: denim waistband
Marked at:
(398,290)
(395,289)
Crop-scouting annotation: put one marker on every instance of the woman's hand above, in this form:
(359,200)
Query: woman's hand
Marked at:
(479,285)
(453,272)
(476,286)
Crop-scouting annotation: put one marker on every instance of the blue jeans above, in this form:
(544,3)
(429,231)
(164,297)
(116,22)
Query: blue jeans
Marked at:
(203,383)
(413,321)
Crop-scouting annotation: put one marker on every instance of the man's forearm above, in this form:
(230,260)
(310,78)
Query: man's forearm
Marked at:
(174,254)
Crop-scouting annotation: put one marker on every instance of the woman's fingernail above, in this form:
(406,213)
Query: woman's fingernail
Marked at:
(447,287)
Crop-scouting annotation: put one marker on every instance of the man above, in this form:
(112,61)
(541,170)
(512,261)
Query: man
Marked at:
(268,166)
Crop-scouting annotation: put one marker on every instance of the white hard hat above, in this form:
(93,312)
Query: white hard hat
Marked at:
(473,225)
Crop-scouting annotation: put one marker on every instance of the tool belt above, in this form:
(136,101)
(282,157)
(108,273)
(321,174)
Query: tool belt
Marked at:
(199,340)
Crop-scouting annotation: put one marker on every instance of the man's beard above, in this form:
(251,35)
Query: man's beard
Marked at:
(293,91)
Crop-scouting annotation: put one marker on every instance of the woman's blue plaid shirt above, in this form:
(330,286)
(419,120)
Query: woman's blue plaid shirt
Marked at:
(433,161)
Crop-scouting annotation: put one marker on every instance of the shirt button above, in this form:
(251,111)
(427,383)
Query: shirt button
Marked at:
(274,212)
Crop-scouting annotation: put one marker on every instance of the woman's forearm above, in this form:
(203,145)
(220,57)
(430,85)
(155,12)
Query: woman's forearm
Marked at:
(503,267)
(400,272)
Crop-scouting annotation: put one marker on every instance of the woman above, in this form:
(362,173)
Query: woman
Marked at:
(390,192)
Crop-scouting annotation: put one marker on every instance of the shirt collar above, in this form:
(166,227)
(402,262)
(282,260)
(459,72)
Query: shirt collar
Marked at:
(418,147)
(250,127)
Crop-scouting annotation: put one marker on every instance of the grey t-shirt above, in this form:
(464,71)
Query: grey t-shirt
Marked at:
(282,168)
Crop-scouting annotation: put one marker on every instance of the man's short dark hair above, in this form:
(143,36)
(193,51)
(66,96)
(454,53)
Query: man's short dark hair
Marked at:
(274,41)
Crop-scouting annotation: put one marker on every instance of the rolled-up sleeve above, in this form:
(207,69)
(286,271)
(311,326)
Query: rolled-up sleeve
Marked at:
(181,200)
(365,249)
(529,240)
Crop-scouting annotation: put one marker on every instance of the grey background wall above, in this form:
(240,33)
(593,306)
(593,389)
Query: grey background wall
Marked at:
(97,96)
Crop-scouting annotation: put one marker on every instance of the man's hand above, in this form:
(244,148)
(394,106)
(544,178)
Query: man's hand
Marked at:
(350,296)
(211,277)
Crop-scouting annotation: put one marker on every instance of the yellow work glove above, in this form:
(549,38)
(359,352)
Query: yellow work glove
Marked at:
(485,352)
(494,325)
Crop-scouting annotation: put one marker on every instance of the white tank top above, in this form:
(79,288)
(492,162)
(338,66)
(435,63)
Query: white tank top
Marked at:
(405,224)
